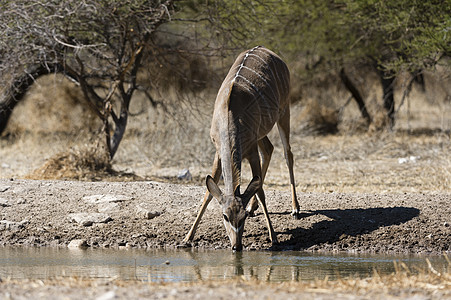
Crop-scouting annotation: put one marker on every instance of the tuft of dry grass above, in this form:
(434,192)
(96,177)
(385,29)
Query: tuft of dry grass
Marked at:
(86,163)
(81,164)
(317,118)
(403,282)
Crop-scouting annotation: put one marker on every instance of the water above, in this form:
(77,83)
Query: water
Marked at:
(186,266)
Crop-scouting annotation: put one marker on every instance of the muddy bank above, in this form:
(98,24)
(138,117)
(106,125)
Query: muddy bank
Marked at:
(154,214)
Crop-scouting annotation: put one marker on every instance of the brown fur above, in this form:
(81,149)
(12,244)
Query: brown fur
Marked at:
(252,98)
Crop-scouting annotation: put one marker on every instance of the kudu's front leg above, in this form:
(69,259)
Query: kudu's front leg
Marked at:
(266,149)
(254,161)
(207,198)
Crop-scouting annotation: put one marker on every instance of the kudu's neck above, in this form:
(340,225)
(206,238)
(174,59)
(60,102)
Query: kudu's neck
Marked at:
(230,148)
(229,130)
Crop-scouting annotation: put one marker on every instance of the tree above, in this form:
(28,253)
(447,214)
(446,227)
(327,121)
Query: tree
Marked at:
(402,36)
(98,44)
(391,36)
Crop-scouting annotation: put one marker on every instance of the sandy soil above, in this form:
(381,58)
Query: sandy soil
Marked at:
(44,213)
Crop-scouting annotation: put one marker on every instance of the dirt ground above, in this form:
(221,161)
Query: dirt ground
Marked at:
(43,213)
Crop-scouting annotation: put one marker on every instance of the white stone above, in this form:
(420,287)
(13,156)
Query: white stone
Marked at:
(77,244)
(96,199)
(4,202)
(4,188)
(107,296)
(87,219)
(144,211)
(185,175)
(10,225)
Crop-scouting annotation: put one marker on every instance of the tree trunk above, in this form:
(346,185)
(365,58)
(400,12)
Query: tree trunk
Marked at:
(126,97)
(119,130)
(6,108)
(356,95)
(19,88)
(419,79)
(387,81)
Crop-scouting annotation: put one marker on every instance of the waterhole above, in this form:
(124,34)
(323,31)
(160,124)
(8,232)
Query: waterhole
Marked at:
(187,266)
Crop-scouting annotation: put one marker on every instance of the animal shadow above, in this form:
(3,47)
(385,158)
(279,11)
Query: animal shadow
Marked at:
(349,222)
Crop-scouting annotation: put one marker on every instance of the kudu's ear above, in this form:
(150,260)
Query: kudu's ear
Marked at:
(213,188)
(251,189)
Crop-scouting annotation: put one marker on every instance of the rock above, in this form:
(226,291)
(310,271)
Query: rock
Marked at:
(77,244)
(96,199)
(410,159)
(11,226)
(185,175)
(87,219)
(403,160)
(107,296)
(143,211)
(4,202)
(107,202)
(4,188)
(108,207)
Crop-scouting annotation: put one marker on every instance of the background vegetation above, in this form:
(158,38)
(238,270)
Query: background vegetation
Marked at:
(158,60)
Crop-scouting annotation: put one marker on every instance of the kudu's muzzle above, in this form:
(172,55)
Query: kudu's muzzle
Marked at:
(235,236)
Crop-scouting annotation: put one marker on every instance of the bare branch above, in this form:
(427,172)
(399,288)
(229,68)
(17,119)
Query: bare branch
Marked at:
(77,47)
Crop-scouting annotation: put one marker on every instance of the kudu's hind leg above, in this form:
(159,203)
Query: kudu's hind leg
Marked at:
(284,130)
(266,149)
(207,198)
(254,161)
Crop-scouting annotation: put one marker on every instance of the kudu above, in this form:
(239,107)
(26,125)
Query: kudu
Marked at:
(252,98)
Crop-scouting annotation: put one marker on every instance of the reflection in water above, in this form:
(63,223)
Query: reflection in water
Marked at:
(188,265)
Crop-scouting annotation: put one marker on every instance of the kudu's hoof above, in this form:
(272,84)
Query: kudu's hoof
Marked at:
(185,244)
(296,214)
(251,213)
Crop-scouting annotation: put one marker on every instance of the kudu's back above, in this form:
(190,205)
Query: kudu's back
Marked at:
(254,92)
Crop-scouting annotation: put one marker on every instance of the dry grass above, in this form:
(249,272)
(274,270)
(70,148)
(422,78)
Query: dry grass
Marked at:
(385,162)
(415,157)
(316,118)
(86,163)
(403,283)
(403,280)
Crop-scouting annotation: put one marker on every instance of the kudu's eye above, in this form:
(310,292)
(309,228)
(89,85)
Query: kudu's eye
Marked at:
(225,218)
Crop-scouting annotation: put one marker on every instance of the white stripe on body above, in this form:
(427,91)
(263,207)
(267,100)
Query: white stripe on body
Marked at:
(242,63)
(270,69)
(262,78)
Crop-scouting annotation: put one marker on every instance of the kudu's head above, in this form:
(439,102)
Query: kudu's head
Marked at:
(234,209)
